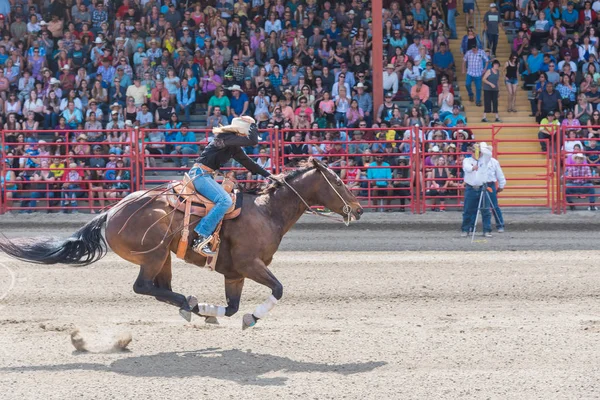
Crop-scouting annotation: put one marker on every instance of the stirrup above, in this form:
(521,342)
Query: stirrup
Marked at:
(202,247)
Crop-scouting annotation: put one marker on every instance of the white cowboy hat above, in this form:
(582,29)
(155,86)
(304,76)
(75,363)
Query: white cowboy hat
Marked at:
(239,125)
(485,146)
(236,87)
(579,155)
(66,66)
(360,85)
(98,40)
(54,81)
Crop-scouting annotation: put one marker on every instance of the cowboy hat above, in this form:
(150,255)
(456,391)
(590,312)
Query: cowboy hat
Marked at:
(239,125)
(578,155)
(360,85)
(98,40)
(113,105)
(82,136)
(235,87)
(54,81)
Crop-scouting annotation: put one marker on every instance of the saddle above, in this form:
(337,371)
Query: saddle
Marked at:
(182,196)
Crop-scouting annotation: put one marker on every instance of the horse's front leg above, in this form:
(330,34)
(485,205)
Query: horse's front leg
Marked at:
(233,292)
(259,273)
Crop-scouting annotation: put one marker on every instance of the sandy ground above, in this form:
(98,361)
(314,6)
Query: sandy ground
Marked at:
(454,320)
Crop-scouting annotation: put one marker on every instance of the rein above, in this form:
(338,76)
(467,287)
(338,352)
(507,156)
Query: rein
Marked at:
(347,210)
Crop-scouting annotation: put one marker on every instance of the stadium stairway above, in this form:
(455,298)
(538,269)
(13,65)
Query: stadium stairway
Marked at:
(524,170)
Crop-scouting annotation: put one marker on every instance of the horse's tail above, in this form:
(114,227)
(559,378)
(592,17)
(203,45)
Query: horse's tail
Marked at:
(84,247)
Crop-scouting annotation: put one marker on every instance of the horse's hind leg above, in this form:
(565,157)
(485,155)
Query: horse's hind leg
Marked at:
(259,273)
(153,281)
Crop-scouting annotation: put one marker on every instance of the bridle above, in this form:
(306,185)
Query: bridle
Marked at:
(347,209)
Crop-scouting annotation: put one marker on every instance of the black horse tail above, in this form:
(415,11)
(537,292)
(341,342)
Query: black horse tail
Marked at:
(84,247)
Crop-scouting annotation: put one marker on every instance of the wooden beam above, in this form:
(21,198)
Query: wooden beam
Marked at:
(377,54)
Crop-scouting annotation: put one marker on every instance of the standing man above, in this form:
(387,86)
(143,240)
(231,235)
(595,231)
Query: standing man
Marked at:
(451,6)
(491,22)
(473,63)
(475,170)
(496,181)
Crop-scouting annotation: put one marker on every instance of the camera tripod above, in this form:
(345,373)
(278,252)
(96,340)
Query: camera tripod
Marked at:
(485,191)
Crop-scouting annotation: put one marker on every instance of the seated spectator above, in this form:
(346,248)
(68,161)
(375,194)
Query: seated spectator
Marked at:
(295,148)
(548,100)
(548,129)
(390,79)
(571,124)
(572,140)
(239,102)
(422,92)
(579,182)
(70,188)
(122,181)
(409,78)
(583,110)
(186,99)
(184,145)
(438,182)
(162,115)
(380,181)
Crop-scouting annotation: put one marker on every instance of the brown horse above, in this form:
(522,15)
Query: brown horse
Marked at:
(248,242)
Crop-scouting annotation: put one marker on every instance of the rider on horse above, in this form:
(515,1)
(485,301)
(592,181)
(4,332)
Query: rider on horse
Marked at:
(227,144)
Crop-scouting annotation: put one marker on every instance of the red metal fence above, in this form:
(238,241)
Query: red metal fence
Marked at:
(410,168)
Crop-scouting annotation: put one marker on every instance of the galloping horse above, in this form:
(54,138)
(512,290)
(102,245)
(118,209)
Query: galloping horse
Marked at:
(248,242)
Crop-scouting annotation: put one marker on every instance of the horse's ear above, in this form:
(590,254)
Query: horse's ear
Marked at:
(316,163)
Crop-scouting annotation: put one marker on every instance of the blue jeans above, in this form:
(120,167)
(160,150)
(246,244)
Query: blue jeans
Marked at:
(492,42)
(33,196)
(209,188)
(452,23)
(477,80)
(587,189)
(472,196)
(186,109)
(497,212)
(183,161)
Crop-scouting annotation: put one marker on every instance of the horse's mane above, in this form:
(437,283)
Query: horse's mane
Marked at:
(271,187)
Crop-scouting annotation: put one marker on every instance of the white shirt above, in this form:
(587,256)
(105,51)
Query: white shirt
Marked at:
(390,81)
(495,173)
(479,177)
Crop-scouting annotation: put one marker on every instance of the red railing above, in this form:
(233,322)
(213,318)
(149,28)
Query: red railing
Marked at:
(537,178)
(66,172)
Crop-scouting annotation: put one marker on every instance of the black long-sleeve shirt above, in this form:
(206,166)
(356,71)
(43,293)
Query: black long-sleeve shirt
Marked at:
(226,146)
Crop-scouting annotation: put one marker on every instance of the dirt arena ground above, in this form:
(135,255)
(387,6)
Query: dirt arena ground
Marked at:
(394,307)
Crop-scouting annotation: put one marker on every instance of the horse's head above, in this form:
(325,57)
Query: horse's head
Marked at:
(334,195)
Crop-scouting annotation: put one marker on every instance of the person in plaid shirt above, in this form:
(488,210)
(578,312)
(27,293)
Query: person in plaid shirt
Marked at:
(578,182)
(473,63)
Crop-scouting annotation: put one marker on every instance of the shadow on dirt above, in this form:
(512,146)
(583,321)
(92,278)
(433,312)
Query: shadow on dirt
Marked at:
(242,367)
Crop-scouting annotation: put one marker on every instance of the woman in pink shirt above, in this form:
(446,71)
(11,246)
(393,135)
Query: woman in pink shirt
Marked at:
(327,107)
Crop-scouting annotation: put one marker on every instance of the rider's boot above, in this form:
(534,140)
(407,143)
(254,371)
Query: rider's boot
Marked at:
(202,245)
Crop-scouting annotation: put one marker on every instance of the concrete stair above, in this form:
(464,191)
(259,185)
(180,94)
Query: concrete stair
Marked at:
(525,167)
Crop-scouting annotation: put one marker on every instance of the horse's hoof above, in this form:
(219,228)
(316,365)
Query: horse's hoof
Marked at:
(248,321)
(192,302)
(187,315)
(211,320)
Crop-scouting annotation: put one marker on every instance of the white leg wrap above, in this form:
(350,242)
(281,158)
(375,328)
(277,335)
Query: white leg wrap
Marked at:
(211,311)
(263,309)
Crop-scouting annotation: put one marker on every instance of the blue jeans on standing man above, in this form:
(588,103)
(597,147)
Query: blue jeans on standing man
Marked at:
(495,207)
(477,80)
(212,190)
(452,23)
(472,196)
